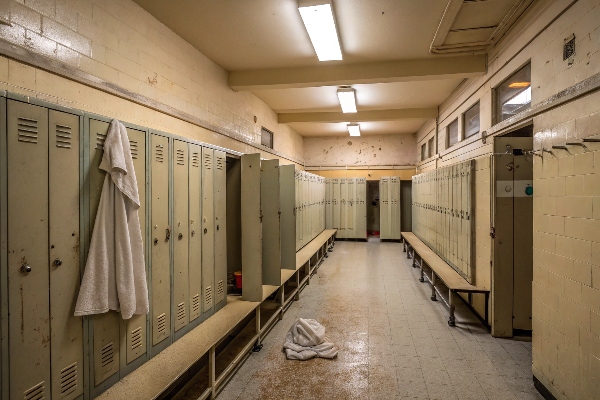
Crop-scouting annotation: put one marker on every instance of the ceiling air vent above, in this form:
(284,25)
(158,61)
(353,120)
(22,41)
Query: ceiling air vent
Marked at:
(569,48)
(266,137)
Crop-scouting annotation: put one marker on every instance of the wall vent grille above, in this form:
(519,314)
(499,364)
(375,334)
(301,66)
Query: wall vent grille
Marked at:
(68,380)
(63,136)
(27,130)
(36,392)
(136,338)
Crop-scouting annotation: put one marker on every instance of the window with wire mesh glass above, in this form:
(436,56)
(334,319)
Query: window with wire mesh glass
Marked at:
(266,137)
(431,146)
(513,95)
(471,121)
(423,151)
(452,133)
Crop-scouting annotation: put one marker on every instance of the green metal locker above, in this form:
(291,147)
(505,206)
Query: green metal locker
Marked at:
(220,231)
(251,229)
(361,208)
(161,243)
(181,288)
(288,218)
(270,204)
(208,232)
(195,236)
(384,209)
(335,204)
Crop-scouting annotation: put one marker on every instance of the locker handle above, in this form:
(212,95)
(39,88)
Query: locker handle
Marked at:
(205,230)
(217,227)
(168,234)
(193,233)
(155,241)
(57,262)
(180,236)
(25,269)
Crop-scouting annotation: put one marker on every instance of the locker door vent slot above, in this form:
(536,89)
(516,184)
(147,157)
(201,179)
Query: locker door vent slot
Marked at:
(159,153)
(208,296)
(219,163)
(195,160)
(207,161)
(36,392)
(108,353)
(136,338)
(220,289)
(133,145)
(180,157)
(63,136)
(196,303)
(180,311)
(27,130)
(100,139)
(68,380)
(161,323)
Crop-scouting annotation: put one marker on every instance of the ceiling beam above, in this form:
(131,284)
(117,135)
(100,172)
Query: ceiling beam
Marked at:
(334,74)
(361,116)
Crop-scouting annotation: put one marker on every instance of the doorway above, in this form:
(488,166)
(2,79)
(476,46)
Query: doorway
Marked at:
(512,233)
(373,227)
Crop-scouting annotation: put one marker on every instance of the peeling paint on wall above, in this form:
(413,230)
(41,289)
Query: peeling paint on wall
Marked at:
(366,150)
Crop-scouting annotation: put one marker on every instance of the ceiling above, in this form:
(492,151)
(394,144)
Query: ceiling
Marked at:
(388,41)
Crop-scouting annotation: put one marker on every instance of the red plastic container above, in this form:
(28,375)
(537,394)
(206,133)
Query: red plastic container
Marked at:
(238,279)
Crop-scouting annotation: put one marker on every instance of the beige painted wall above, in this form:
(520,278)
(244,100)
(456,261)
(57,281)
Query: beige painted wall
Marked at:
(373,150)
(368,174)
(119,45)
(566,293)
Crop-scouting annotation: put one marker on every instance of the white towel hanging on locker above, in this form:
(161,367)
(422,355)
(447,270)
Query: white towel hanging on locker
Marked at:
(115,273)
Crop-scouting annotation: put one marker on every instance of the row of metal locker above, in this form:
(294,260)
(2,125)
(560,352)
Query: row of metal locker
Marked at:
(442,213)
(389,208)
(310,207)
(346,207)
(51,186)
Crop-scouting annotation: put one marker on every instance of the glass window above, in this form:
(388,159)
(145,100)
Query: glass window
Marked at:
(452,133)
(431,147)
(266,138)
(423,153)
(514,94)
(471,121)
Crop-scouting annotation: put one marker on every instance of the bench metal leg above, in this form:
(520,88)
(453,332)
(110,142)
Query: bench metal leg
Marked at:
(408,251)
(414,257)
(451,320)
(404,247)
(433,297)
(422,278)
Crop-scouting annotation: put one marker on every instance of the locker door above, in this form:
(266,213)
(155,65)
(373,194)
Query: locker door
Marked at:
(136,325)
(343,208)
(195,237)
(335,205)
(251,229)
(396,207)
(208,229)
(361,207)
(160,236)
(220,229)
(351,206)
(384,209)
(271,212)
(28,300)
(66,343)
(106,327)
(328,204)
(180,230)
(288,220)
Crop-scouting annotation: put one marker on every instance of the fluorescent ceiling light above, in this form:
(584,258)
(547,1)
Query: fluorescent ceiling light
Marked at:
(347,99)
(519,85)
(354,129)
(320,24)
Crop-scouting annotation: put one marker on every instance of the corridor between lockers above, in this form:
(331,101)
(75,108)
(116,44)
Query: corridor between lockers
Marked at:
(394,341)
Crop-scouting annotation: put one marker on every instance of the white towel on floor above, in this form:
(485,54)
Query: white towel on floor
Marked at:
(115,273)
(306,339)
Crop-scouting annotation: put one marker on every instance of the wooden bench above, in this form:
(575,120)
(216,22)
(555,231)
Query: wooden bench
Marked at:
(440,270)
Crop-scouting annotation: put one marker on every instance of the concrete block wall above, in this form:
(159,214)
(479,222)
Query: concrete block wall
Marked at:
(566,291)
(119,45)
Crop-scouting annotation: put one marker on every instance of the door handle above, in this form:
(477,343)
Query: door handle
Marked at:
(25,269)
(57,262)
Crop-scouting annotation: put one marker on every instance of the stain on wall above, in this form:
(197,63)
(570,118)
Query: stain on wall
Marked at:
(358,151)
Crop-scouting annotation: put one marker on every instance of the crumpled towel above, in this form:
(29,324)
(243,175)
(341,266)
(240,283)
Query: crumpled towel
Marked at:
(306,339)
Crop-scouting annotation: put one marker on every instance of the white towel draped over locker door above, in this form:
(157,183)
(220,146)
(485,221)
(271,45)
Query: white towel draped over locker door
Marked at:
(115,273)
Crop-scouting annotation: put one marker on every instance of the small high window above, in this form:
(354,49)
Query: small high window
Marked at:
(431,146)
(266,138)
(423,151)
(471,121)
(514,94)
(452,133)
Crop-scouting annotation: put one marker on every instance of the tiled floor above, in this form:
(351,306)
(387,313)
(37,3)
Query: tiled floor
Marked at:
(394,341)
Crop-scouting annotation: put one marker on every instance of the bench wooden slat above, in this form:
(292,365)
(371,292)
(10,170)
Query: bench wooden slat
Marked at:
(305,253)
(443,271)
